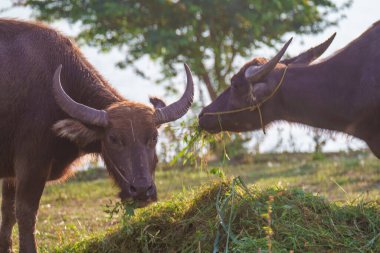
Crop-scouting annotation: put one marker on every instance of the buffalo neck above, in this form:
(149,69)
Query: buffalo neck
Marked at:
(86,86)
(321,96)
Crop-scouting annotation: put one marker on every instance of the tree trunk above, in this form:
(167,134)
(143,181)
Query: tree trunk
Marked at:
(210,88)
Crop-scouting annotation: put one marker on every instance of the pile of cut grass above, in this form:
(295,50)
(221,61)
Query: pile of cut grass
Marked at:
(228,216)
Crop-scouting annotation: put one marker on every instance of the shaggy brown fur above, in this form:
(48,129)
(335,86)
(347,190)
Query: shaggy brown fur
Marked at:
(39,141)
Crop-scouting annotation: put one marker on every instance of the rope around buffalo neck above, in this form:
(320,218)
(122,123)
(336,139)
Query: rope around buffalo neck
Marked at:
(252,107)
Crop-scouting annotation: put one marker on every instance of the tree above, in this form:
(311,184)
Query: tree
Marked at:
(207,34)
(320,138)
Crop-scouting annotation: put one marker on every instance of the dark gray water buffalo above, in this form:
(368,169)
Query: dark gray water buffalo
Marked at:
(54,108)
(341,93)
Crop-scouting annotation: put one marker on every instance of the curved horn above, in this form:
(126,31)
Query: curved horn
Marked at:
(76,110)
(311,54)
(255,73)
(179,108)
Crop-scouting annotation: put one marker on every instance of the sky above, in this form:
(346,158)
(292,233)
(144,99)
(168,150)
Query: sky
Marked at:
(361,15)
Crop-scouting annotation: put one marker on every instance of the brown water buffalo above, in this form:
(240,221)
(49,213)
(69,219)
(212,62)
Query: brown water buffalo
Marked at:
(341,93)
(54,108)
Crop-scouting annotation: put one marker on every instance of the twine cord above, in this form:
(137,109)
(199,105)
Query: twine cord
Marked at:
(253,107)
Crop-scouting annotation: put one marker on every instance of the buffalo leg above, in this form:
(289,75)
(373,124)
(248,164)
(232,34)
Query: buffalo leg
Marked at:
(31,177)
(28,195)
(8,215)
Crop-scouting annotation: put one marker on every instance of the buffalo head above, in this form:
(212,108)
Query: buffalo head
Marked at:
(256,82)
(127,134)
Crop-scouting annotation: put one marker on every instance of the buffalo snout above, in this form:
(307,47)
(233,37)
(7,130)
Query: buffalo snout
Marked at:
(209,123)
(141,193)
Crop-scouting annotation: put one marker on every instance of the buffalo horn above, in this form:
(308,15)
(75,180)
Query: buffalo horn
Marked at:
(311,54)
(255,73)
(76,110)
(179,108)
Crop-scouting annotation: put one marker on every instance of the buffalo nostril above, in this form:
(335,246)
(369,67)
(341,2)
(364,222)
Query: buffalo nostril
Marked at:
(142,191)
(150,191)
(133,190)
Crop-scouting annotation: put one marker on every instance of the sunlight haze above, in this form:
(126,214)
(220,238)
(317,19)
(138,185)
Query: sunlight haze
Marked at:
(359,17)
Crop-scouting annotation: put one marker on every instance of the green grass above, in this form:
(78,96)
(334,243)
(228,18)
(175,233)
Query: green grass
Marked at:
(230,216)
(74,211)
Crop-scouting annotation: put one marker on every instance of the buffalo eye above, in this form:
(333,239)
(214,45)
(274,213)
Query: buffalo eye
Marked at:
(237,82)
(234,82)
(235,85)
(153,140)
(115,140)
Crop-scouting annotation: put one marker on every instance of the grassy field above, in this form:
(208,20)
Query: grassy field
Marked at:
(74,211)
(229,216)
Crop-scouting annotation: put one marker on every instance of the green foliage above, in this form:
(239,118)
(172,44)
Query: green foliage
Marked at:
(196,144)
(208,35)
(235,147)
(127,208)
(194,141)
(217,171)
(231,217)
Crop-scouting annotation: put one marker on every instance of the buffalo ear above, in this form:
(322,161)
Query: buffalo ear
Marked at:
(76,132)
(156,102)
(310,55)
(261,91)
